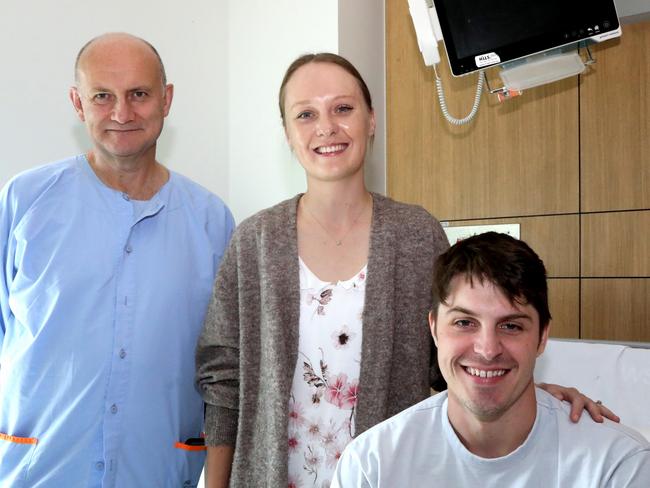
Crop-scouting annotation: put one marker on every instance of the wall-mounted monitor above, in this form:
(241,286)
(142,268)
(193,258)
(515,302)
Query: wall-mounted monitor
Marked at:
(483,33)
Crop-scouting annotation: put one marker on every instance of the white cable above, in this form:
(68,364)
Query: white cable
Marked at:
(443,103)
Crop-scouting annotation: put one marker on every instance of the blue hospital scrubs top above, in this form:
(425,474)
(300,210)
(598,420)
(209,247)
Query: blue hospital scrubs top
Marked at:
(102,301)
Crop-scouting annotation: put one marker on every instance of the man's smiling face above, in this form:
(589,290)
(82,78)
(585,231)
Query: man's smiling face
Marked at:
(487,347)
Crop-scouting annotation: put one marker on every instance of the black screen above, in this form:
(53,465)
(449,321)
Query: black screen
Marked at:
(516,28)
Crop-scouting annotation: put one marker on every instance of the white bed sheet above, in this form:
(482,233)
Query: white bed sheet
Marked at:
(616,374)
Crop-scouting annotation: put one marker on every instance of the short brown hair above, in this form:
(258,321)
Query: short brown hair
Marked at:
(510,264)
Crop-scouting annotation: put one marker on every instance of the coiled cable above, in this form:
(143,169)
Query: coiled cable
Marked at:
(443,102)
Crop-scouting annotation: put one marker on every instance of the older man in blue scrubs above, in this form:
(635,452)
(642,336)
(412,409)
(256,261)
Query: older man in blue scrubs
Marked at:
(107,263)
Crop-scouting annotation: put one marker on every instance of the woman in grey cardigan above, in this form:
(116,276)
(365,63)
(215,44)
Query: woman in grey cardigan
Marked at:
(252,359)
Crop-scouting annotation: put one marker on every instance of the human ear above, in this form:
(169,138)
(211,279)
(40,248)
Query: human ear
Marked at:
(75,98)
(373,124)
(432,326)
(169,95)
(543,340)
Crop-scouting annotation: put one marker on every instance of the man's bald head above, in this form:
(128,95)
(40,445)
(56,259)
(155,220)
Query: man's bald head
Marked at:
(110,38)
(121,95)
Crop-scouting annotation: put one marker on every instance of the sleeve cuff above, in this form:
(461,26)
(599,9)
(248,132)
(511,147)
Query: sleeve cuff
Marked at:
(220,426)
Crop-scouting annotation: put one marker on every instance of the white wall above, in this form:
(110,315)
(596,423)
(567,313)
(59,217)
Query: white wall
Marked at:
(226,60)
(264,38)
(362,40)
(633,10)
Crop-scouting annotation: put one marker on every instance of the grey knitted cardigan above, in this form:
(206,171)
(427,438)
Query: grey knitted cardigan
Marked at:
(248,349)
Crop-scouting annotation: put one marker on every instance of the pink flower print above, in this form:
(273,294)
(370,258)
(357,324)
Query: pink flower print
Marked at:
(362,276)
(294,443)
(312,462)
(333,453)
(294,481)
(342,337)
(350,394)
(313,429)
(341,393)
(336,390)
(296,413)
(329,437)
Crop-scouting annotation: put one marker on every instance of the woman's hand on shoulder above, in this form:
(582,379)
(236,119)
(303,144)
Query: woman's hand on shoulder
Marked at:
(580,402)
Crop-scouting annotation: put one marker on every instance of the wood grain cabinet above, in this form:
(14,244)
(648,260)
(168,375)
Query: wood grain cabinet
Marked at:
(569,161)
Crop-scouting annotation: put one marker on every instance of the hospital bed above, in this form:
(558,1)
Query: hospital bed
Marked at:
(618,374)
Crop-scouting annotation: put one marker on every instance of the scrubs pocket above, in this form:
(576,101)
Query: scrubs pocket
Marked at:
(16,454)
(190,463)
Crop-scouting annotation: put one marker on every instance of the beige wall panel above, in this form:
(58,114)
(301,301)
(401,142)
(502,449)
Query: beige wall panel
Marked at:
(564,303)
(614,118)
(516,158)
(616,244)
(554,239)
(616,310)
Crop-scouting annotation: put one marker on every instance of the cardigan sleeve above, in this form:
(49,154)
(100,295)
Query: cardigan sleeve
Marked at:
(217,354)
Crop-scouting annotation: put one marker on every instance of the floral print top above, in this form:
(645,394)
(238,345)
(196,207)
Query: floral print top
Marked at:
(326,378)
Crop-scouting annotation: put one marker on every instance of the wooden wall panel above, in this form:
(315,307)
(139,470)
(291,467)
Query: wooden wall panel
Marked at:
(406,83)
(616,309)
(516,158)
(552,159)
(616,244)
(614,120)
(555,239)
(564,304)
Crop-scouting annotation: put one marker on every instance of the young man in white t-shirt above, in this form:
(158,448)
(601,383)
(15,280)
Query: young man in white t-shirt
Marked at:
(492,427)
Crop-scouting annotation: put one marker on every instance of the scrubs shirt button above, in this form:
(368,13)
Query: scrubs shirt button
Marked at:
(128,249)
(113,408)
(99,466)
(122,353)
(126,197)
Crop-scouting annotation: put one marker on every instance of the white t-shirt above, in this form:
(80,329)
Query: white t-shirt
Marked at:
(419,448)
(326,378)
